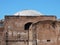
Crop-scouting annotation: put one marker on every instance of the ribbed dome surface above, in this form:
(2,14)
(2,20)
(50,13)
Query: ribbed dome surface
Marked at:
(28,13)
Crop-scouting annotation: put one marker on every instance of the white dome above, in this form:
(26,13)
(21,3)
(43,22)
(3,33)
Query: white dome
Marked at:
(28,13)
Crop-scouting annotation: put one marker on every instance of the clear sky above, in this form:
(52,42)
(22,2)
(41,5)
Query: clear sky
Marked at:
(47,7)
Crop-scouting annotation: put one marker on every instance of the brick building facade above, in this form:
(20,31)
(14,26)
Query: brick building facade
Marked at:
(30,30)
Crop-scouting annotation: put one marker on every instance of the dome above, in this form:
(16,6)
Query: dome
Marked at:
(28,13)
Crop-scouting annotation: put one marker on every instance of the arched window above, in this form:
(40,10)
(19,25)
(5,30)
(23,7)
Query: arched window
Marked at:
(27,25)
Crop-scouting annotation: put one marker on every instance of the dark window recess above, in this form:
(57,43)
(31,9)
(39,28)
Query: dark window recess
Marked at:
(53,24)
(48,40)
(27,25)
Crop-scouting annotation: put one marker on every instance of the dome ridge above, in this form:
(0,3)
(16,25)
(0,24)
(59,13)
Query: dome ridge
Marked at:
(28,13)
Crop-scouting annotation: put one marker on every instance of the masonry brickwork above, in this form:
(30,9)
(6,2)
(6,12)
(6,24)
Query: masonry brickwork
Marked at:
(30,30)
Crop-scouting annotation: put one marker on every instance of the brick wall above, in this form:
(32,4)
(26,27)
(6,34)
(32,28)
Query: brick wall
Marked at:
(15,27)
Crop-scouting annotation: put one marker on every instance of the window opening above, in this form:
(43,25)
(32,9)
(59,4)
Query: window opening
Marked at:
(48,40)
(27,25)
(53,24)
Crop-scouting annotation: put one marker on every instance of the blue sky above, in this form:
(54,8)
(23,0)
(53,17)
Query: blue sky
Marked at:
(47,7)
